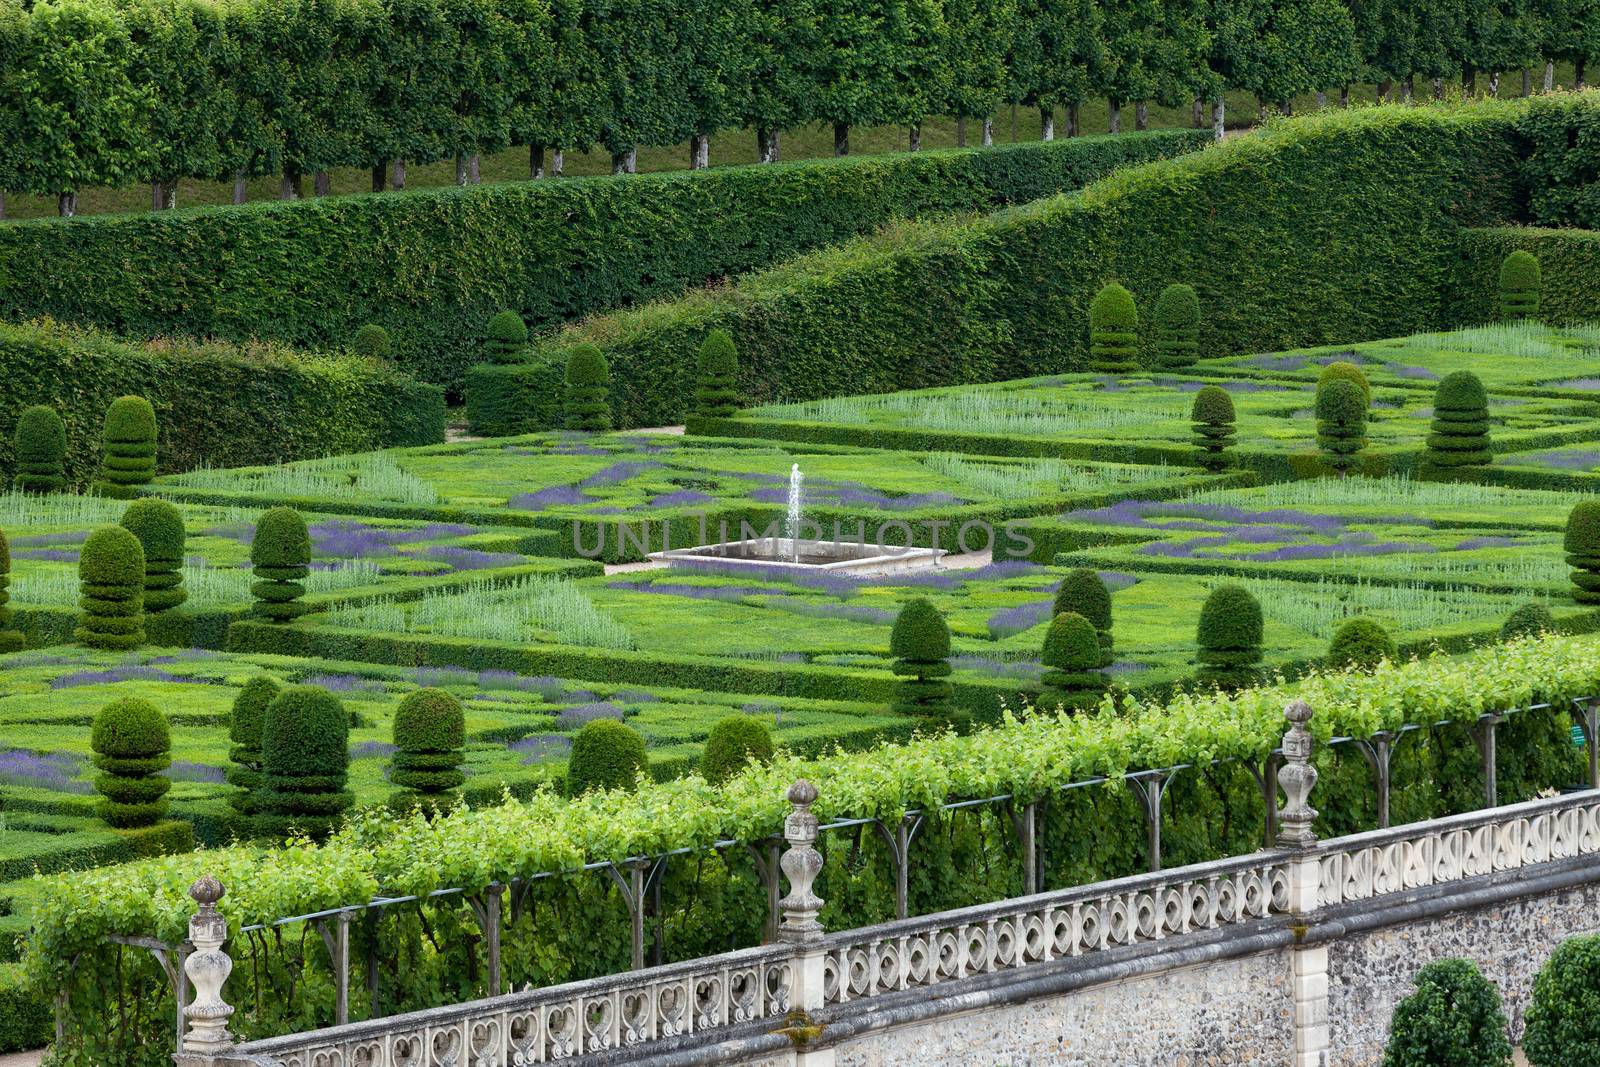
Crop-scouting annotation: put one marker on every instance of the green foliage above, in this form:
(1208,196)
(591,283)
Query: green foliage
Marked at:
(129,440)
(1347,371)
(1113,331)
(1228,638)
(1213,420)
(1519,286)
(1563,1020)
(588,388)
(159,527)
(717,368)
(1569,264)
(1360,644)
(509,398)
(131,744)
(41,450)
(1560,160)
(371,342)
(1082,592)
(1460,436)
(605,755)
(1582,545)
(245,720)
(429,732)
(281,557)
(111,579)
(10,640)
(1529,620)
(304,763)
(1072,658)
(1341,423)
(920,643)
(1175,327)
(1453,1019)
(734,742)
(508,336)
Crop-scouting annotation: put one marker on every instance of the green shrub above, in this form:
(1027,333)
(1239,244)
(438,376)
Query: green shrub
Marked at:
(305,762)
(1175,327)
(512,398)
(920,643)
(1361,644)
(1569,273)
(1530,620)
(281,557)
(1582,545)
(605,755)
(111,582)
(1229,638)
(1346,371)
(1113,331)
(129,440)
(734,741)
(41,450)
(159,527)
(1213,420)
(1519,286)
(371,342)
(1082,592)
(508,338)
(1071,658)
(1563,1019)
(429,735)
(10,640)
(1460,431)
(1341,423)
(132,745)
(588,390)
(1453,1019)
(716,392)
(245,720)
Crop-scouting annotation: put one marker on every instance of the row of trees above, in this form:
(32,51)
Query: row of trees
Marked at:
(115,92)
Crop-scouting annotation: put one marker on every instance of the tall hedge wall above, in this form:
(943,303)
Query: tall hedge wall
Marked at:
(433,266)
(1569,265)
(214,403)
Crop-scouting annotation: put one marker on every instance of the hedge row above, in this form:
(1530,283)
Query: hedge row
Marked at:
(216,405)
(25,1018)
(1569,265)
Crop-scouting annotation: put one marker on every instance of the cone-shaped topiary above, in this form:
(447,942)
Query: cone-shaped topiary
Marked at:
(159,527)
(716,392)
(1083,593)
(1360,644)
(281,556)
(1453,1019)
(132,746)
(508,336)
(1460,436)
(429,732)
(130,447)
(1582,544)
(244,730)
(1341,423)
(1113,331)
(1350,372)
(733,743)
(1175,327)
(588,389)
(1212,418)
(111,585)
(305,762)
(1071,658)
(1530,620)
(1229,638)
(41,446)
(372,342)
(1520,283)
(10,639)
(1563,1028)
(605,755)
(920,643)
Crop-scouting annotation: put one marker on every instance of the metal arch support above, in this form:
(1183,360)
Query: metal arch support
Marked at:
(1378,751)
(641,878)
(170,957)
(1587,712)
(1149,788)
(1483,732)
(898,843)
(1025,823)
(486,908)
(337,942)
(1266,777)
(766,856)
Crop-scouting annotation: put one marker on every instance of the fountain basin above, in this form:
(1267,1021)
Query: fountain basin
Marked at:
(846,557)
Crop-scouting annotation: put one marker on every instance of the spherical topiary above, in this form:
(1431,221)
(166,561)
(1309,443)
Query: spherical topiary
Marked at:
(159,527)
(1453,1019)
(1212,418)
(305,763)
(508,336)
(716,393)
(1346,371)
(1361,644)
(41,446)
(588,389)
(10,639)
(1229,637)
(429,732)
(111,585)
(734,742)
(1113,331)
(1519,286)
(1582,544)
(131,745)
(244,730)
(1530,620)
(1175,327)
(1341,423)
(1071,658)
(605,755)
(1083,593)
(1460,436)
(130,447)
(1563,1025)
(920,643)
(281,557)
(371,341)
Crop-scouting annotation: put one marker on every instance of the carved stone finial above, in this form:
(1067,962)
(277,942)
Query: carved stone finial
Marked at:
(206,891)
(208,968)
(801,863)
(1297,777)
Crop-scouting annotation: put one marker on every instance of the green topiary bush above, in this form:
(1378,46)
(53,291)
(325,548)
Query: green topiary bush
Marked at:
(1229,638)
(111,584)
(1175,327)
(41,446)
(1071,657)
(245,720)
(1341,423)
(1460,430)
(588,390)
(1453,1019)
(1360,644)
(716,393)
(130,447)
(10,640)
(920,643)
(371,342)
(1563,1019)
(1582,544)
(1519,286)
(305,763)
(734,742)
(132,746)
(1082,592)
(1213,420)
(508,337)
(159,527)
(1530,620)
(430,731)
(1346,371)
(1113,331)
(281,556)
(605,755)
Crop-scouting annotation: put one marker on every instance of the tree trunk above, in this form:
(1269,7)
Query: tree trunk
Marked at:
(1344,96)
(67,205)
(379,170)
(1527,82)
(1141,115)
(241,188)
(625,162)
(1322,99)
(988,132)
(164,195)
(2,205)
(475,168)
(1578,68)
(1197,114)
(1438,88)
(1113,116)
(1384,88)
(536,161)
(1549,75)
(1218,114)
(961,131)
(322,183)
(1074,127)
(1286,108)
(1408,89)
(1469,80)
(1047,124)
(397,175)
(558,163)
(1494,84)
(699,151)
(914,137)
(841,138)
(1013,123)
(289,187)
(766,144)
(461,170)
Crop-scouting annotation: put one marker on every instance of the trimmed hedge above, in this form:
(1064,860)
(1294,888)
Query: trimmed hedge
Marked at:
(132,745)
(1519,286)
(1341,423)
(129,442)
(40,450)
(716,393)
(1212,419)
(605,755)
(429,735)
(1569,263)
(588,384)
(1175,327)
(1228,638)
(1527,621)
(733,742)
(280,554)
(1071,658)
(1084,593)
(1361,644)
(25,1016)
(159,527)
(1460,430)
(372,342)
(1453,1019)
(507,337)
(111,584)
(1581,543)
(1113,331)
(11,639)
(1563,1029)
(920,645)
(305,762)
(245,720)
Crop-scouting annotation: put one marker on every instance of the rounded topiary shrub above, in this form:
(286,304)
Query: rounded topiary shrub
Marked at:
(111,590)
(129,439)
(430,731)
(716,390)
(10,639)
(1175,327)
(245,720)
(1071,658)
(281,558)
(605,755)
(1582,544)
(1530,620)
(1341,423)
(1344,370)
(1360,644)
(1082,592)
(1453,1019)
(372,342)
(588,389)
(920,644)
(1563,1020)
(1229,638)
(132,747)
(1460,430)
(305,763)
(1212,418)
(1113,331)
(159,527)
(735,742)
(1520,283)
(41,447)
(508,336)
